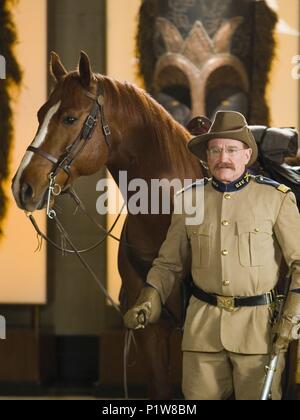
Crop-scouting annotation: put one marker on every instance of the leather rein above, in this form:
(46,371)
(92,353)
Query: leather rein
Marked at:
(64,162)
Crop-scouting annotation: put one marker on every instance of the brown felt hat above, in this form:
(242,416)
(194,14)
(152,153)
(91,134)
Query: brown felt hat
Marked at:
(227,125)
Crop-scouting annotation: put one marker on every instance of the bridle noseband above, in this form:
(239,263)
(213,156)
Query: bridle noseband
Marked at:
(65,161)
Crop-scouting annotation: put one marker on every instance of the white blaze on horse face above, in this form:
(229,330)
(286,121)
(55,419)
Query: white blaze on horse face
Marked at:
(37,142)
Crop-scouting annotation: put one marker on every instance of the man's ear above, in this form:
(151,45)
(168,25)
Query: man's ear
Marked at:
(249,154)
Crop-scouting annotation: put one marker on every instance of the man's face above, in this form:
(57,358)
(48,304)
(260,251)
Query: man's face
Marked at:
(227,159)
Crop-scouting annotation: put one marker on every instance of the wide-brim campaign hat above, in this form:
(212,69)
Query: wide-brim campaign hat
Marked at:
(227,125)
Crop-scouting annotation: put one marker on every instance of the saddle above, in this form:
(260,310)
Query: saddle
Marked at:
(274,146)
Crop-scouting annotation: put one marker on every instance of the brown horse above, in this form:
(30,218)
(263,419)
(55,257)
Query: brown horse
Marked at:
(146,142)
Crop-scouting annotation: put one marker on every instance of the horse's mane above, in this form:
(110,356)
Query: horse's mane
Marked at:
(168,136)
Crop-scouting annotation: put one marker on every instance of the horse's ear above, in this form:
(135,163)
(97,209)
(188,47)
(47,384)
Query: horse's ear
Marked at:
(56,67)
(85,70)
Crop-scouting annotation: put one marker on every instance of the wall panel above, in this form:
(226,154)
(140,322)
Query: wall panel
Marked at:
(23,272)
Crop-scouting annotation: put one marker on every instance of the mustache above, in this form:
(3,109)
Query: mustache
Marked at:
(224,166)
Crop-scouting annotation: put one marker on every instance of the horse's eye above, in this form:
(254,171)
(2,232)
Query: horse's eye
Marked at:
(69,120)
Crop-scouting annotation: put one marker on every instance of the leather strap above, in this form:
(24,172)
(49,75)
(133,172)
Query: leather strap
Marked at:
(42,153)
(237,302)
(65,160)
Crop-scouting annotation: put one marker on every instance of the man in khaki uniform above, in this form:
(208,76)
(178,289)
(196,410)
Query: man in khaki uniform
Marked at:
(249,224)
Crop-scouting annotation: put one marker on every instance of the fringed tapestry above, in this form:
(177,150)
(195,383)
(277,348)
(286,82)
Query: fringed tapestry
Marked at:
(10,75)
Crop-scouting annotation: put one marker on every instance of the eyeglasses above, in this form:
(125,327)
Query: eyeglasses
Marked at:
(217,151)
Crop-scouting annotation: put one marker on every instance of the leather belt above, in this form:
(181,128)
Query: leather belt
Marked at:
(232,303)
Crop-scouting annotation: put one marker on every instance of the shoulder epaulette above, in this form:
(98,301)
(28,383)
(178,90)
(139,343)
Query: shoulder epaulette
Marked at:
(200,182)
(268,181)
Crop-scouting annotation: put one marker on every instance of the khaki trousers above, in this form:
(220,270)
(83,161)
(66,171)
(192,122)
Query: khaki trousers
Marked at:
(217,376)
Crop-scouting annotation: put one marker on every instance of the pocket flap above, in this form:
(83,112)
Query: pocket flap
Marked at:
(265,226)
(203,229)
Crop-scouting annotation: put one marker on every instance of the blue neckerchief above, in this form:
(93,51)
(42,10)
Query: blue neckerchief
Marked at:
(236,185)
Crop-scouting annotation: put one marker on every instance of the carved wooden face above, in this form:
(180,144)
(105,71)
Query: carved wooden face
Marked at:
(198,73)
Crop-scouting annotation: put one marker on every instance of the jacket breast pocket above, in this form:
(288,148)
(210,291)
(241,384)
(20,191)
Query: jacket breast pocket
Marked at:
(200,241)
(255,242)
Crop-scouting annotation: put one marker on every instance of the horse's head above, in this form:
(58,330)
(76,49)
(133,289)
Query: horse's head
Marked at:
(70,140)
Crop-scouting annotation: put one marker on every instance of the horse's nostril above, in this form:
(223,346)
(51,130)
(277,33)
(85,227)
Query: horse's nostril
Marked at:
(26,193)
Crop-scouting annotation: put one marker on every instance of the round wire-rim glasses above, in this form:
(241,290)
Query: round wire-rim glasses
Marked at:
(231,151)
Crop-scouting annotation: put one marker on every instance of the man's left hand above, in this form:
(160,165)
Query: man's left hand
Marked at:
(288,330)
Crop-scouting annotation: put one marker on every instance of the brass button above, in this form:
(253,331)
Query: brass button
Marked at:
(225,252)
(227,196)
(226,283)
(256,230)
(225,223)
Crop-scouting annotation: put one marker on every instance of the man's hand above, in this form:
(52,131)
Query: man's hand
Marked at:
(288,327)
(146,309)
(138,316)
(288,330)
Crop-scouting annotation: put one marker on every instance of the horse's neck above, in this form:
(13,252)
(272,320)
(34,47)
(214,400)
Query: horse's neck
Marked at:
(146,143)
(141,161)
(150,168)
(135,152)
(151,165)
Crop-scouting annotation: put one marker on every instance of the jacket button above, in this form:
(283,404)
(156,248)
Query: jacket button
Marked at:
(226,283)
(224,252)
(227,196)
(225,223)
(256,230)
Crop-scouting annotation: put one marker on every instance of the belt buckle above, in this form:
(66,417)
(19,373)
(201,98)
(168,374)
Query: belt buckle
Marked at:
(227,303)
(270,297)
(90,122)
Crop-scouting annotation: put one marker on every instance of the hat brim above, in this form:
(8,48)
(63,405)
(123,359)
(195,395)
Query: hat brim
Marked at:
(198,145)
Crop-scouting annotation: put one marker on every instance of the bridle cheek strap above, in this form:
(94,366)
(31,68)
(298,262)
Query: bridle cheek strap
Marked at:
(65,160)
(99,98)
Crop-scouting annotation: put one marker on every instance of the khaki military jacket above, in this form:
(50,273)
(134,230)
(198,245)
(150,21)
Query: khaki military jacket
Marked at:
(235,251)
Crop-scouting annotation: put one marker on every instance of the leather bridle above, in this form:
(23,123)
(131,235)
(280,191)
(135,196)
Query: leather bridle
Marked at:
(65,161)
